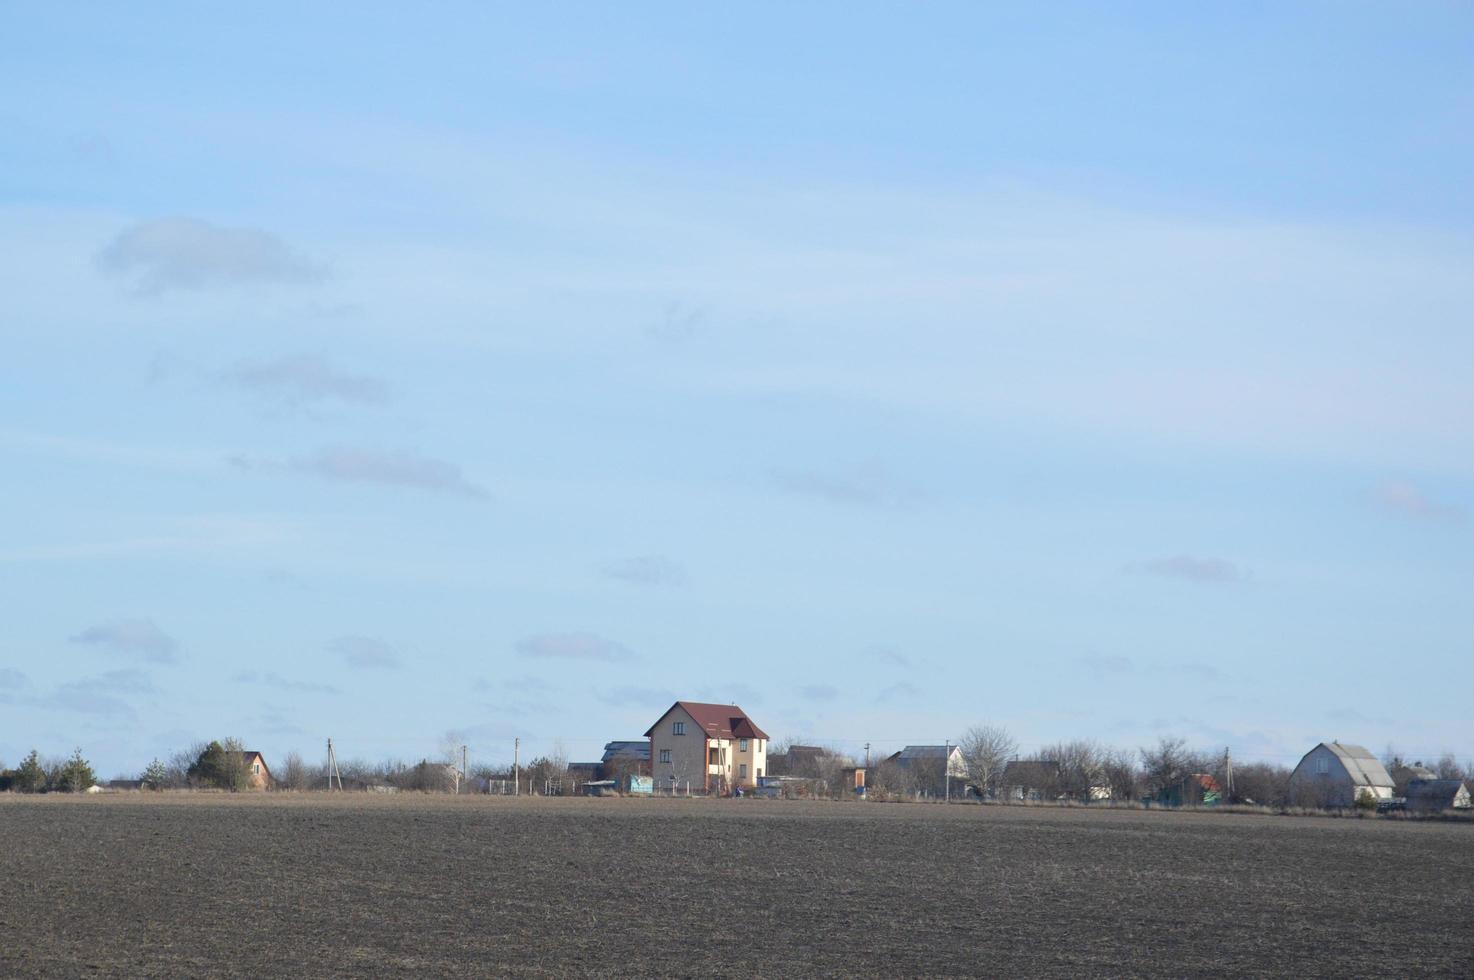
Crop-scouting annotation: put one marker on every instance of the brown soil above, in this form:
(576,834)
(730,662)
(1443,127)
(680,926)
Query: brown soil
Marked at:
(287,885)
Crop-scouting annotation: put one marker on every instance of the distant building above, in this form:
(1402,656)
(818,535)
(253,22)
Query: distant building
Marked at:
(1336,775)
(627,758)
(1433,795)
(1402,775)
(797,760)
(584,772)
(1199,789)
(930,767)
(713,747)
(258,776)
(1031,779)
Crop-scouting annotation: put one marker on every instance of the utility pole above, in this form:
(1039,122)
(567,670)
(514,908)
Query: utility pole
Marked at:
(463,763)
(332,767)
(516,763)
(947,768)
(1228,772)
(867,755)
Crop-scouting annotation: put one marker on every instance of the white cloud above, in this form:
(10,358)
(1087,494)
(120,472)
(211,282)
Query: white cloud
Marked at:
(572,646)
(277,682)
(1407,499)
(186,253)
(1188,568)
(137,637)
(397,468)
(365,652)
(645,570)
(868,484)
(304,378)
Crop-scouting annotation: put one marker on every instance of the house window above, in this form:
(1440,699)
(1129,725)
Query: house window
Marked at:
(742,770)
(742,745)
(256,768)
(1323,766)
(665,755)
(678,728)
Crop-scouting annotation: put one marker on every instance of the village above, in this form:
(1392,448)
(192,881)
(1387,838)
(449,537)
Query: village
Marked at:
(699,749)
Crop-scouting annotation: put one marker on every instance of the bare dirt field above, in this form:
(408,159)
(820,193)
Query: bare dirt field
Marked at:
(288,885)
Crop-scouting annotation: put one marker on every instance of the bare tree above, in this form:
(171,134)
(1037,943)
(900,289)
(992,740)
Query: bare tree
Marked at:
(1263,783)
(1448,767)
(1168,763)
(1121,774)
(294,774)
(987,749)
(1080,769)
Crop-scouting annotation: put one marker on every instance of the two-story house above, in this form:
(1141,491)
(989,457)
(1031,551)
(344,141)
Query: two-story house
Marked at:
(713,747)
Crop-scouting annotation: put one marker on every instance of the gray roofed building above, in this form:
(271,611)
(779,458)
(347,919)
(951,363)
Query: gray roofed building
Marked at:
(639,751)
(1402,775)
(925,764)
(1337,775)
(1437,794)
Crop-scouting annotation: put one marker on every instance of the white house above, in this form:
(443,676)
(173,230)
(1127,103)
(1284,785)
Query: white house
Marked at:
(924,763)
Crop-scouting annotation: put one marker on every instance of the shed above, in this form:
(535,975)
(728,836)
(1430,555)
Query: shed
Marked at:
(1433,795)
(1199,789)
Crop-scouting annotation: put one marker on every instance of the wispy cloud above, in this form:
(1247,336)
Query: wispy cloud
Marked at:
(678,323)
(1102,666)
(128,680)
(731,693)
(1188,568)
(12,680)
(277,682)
(136,637)
(866,485)
(1118,666)
(365,652)
(572,646)
(302,379)
(101,696)
(187,253)
(644,570)
(1402,497)
(819,692)
(900,691)
(890,656)
(634,696)
(393,468)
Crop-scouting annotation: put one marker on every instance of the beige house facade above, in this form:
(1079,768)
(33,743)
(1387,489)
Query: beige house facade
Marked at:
(710,748)
(257,775)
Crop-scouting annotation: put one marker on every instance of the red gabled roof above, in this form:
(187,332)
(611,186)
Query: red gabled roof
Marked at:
(716,720)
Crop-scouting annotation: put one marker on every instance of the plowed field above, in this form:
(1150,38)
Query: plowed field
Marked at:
(283,885)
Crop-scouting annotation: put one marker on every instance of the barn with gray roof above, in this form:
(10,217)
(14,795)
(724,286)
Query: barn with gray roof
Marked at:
(1337,775)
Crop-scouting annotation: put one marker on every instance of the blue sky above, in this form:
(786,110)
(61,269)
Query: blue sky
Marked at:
(496,373)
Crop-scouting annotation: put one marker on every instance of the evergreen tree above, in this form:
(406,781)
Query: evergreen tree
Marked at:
(29,777)
(156,776)
(75,775)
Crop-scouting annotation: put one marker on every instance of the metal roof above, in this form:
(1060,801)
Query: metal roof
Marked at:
(1364,768)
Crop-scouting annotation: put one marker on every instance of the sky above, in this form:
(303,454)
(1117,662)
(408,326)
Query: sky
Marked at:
(419,377)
